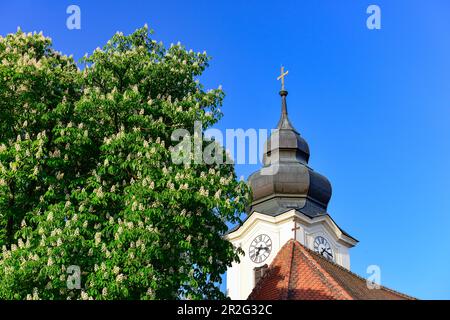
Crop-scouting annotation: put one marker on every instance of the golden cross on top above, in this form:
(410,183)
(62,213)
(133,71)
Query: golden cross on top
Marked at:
(283,74)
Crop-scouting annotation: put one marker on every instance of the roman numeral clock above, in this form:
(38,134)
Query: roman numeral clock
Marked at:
(260,248)
(322,247)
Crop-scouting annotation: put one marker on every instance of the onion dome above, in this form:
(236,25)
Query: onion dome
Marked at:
(286,181)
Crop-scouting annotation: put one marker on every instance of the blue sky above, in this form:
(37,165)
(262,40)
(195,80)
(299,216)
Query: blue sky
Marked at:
(374,105)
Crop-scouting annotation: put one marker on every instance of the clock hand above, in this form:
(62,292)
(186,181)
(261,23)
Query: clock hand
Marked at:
(329,255)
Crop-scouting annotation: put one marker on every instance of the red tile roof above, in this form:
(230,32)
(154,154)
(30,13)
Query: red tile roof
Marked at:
(298,273)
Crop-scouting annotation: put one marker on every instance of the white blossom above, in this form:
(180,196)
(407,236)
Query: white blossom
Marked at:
(84,296)
(119,278)
(98,238)
(35,294)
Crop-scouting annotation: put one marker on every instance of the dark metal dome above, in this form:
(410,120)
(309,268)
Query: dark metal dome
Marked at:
(286,181)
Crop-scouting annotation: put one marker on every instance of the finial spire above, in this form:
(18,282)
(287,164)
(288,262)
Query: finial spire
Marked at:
(282,75)
(284,122)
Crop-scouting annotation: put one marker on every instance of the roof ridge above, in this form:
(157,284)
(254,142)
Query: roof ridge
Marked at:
(290,271)
(333,276)
(330,282)
(353,273)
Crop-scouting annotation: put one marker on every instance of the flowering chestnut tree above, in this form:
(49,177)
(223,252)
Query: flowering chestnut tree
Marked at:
(87,179)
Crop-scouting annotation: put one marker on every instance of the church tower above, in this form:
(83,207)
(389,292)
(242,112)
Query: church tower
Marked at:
(290,202)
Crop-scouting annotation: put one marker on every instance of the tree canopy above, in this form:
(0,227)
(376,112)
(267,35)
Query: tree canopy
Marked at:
(87,178)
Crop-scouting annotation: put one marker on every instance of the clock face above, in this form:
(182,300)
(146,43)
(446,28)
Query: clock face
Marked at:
(322,247)
(260,248)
